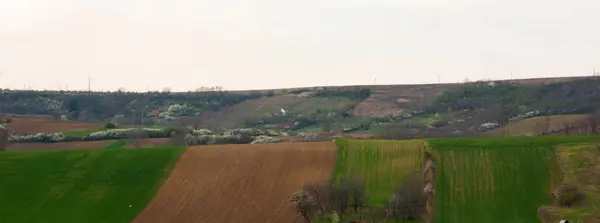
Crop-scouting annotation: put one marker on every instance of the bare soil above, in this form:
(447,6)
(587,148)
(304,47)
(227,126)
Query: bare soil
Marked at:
(31,125)
(239,183)
(60,145)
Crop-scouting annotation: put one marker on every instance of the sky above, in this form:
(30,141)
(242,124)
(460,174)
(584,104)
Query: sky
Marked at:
(144,45)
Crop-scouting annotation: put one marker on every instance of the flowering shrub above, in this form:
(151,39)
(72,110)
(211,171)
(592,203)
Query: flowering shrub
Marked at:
(488,126)
(520,117)
(39,137)
(201,132)
(124,133)
(216,139)
(178,110)
(264,139)
(229,136)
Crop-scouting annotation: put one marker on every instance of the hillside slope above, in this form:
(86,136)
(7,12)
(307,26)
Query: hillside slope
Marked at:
(413,111)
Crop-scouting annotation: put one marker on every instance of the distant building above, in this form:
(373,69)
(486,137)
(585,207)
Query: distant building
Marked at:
(154,113)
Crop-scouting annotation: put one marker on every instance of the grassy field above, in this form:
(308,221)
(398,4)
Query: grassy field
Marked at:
(83,133)
(496,179)
(116,144)
(580,167)
(531,126)
(81,185)
(383,164)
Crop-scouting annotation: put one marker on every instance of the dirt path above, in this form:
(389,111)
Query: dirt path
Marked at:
(239,183)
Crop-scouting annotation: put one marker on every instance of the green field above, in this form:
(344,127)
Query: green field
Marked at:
(580,167)
(383,164)
(496,179)
(83,133)
(81,185)
(116,144)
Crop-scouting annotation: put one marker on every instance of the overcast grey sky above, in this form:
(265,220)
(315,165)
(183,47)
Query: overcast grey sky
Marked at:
(252,44)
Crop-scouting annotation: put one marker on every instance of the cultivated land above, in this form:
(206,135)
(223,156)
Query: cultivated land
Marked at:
(382,164)
(239,183)
(579,165)
(496,179)
(477,180)
(33,125)
(60,145)
(80,185)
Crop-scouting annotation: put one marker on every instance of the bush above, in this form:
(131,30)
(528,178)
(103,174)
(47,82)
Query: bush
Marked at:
(566,195)
(125,133)
(230,136)
(3,138)
(264,139)
(110,125)
(39,137)
(408,203)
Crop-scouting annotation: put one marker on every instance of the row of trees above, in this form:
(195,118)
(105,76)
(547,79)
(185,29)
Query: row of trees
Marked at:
(336,200)
(102,105)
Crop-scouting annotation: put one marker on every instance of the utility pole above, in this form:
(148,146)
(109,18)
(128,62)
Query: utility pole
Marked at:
(511,74)
(374,80)
(439,78)
(89,84)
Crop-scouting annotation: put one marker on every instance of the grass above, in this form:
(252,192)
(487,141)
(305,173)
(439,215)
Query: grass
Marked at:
(580,166)
(81,185)
(83,133)
(116,144)
(496,179)
(383,164)
(530,126)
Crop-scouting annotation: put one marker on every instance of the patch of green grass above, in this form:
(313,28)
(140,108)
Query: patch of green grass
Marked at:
(83,133)
(383,164)
(580,166)
(495,179)
(81,185)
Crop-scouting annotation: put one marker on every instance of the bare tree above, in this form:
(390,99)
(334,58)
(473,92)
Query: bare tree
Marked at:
(136,136)
(305,204)
(546,126)
(338,196)
(593,121)
(320,194)
(3,138)
(567,128)
(409,201)
(356,192)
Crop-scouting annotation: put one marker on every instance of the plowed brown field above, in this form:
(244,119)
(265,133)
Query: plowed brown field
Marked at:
(59,145)
(239,183)
(30,125)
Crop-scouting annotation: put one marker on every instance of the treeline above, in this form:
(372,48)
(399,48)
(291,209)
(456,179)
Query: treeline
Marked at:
(346,201)
(103,105)
(576,96)
(96,106)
